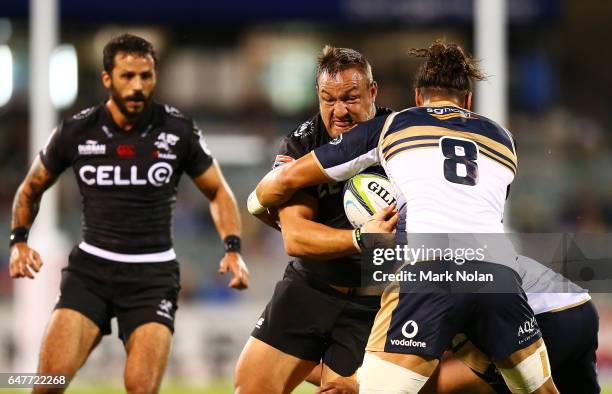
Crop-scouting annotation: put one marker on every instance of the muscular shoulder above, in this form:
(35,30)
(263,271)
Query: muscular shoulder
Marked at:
(81,122)
(304,138)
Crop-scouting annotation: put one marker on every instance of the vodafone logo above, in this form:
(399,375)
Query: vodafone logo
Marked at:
(412,326)
(409,331)
(158,175)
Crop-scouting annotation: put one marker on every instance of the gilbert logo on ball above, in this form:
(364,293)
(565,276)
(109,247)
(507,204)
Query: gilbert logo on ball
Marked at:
(364,195)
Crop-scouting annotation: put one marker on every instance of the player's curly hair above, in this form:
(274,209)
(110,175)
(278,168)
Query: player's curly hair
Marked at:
(333,60)
(446,67)
(127,43)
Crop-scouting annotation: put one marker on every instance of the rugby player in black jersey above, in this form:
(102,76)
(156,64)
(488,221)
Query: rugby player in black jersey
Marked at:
(318,311)
(128,155)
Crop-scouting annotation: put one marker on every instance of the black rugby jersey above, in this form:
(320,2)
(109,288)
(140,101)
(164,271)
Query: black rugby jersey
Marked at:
(343,271)
(128,179)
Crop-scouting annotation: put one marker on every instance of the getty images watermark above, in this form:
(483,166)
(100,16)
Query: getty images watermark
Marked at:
(409,256)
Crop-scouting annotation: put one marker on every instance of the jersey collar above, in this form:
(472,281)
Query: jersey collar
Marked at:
(442,103)
(143,127)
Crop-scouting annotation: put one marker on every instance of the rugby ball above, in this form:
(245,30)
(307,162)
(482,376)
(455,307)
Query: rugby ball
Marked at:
(364,195)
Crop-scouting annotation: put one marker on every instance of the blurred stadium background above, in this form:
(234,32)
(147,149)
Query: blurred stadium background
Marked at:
(244,70)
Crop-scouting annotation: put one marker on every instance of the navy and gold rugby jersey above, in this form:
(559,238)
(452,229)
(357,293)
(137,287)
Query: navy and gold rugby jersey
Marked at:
(127,179)
(344,271)
(450,167)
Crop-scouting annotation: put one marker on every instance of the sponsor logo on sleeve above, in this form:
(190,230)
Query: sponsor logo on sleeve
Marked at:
(92,147)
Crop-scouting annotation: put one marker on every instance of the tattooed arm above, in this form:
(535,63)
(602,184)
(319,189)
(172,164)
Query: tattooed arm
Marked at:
(25,207)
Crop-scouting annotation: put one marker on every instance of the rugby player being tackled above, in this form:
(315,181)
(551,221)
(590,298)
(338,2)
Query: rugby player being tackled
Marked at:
(319,311)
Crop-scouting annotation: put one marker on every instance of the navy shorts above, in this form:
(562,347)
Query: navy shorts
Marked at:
(571,342)
(422,316)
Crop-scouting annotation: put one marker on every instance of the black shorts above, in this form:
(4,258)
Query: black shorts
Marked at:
(136,293)
(315,322)
(571,342)
(423,316)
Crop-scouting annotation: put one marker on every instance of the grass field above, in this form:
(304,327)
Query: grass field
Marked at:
(169,388)
(220,388)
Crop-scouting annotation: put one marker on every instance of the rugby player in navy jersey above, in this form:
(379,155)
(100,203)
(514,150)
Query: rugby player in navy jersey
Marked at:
(128,155)
(451,169)
(319,311)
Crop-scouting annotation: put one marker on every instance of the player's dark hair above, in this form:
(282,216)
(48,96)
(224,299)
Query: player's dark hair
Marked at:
(446,68)
(126,43)
(333,60)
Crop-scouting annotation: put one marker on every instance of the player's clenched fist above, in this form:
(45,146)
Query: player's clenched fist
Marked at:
(23,261)
(233,263)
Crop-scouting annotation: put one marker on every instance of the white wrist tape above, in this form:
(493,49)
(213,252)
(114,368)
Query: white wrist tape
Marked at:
(253,204)
(377,376)
(530,374)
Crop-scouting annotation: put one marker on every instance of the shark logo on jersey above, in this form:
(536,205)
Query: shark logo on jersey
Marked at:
(164,143)
(92,147)
(301,130)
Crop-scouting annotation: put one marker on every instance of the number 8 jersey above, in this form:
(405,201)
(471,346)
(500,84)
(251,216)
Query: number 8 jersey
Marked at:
(451,168)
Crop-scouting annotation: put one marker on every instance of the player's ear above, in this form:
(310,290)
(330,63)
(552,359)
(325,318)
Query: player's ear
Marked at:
(468,101)
(373,90)
(418,97)
(106,79)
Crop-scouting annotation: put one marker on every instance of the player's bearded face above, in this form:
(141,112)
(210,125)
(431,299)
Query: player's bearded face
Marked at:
(131,83)
(345,99)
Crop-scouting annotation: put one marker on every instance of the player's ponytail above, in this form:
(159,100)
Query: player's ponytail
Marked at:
(446,67)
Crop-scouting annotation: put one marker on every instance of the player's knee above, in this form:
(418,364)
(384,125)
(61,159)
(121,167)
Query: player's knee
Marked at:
(141,384)
(530,374)
(377,376)
(58,366)
(252,383)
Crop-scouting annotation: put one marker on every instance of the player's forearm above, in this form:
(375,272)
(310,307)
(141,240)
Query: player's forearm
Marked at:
(275,188)
(224,212)
(318,241)
(29,194)
(25,206)
(280,184)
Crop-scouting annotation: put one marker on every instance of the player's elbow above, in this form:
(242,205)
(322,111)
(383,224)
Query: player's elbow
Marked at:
(287,181)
